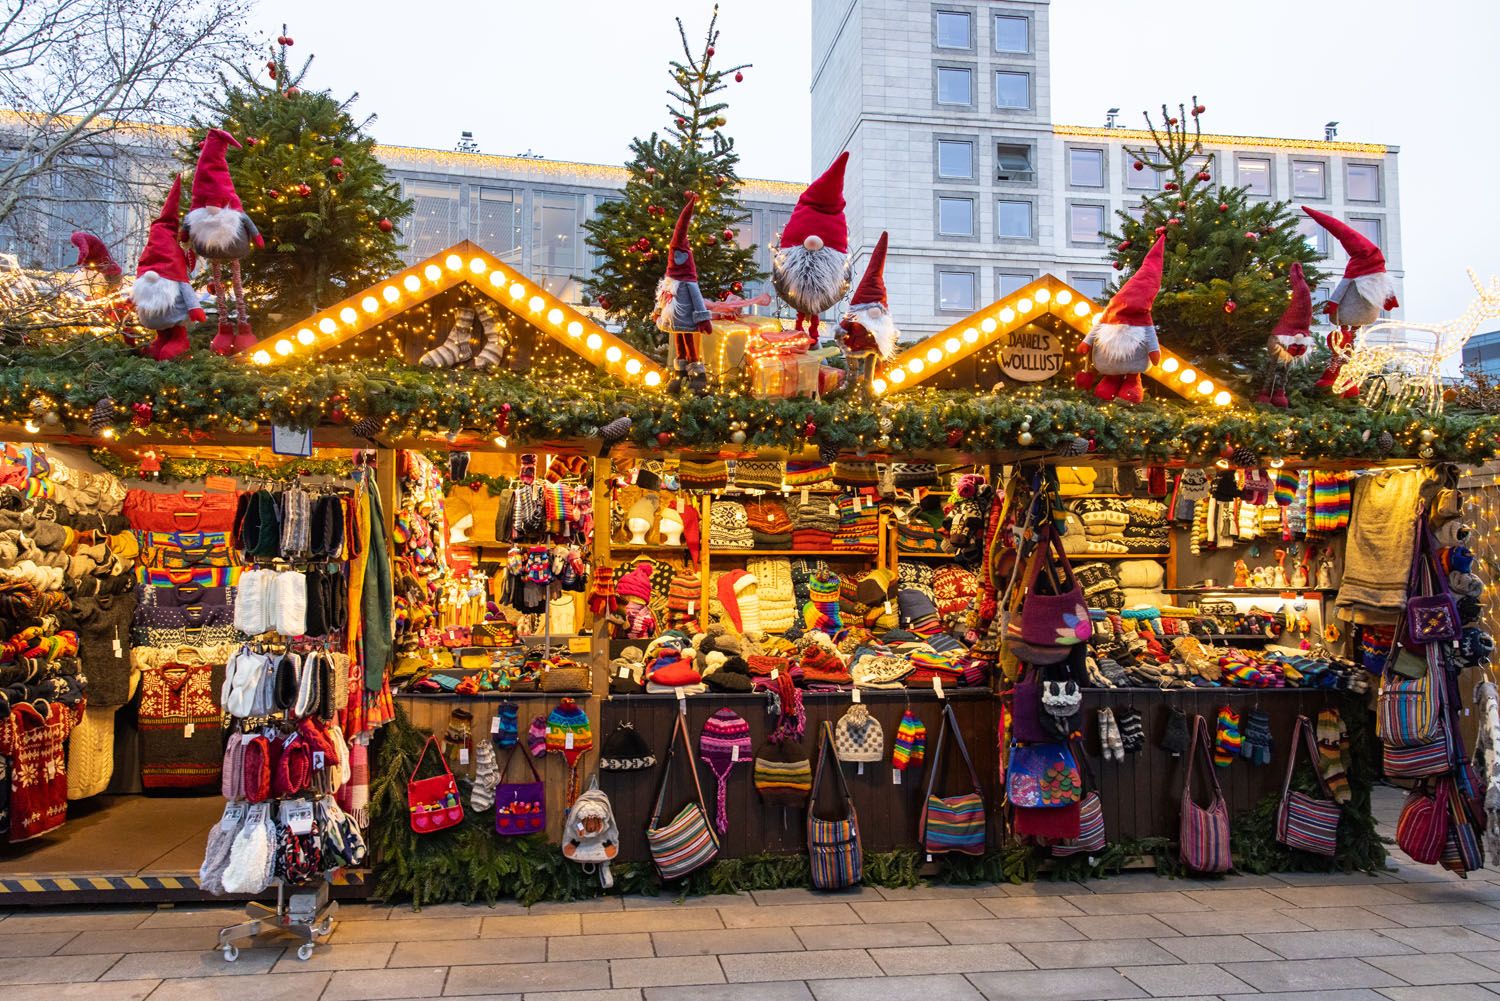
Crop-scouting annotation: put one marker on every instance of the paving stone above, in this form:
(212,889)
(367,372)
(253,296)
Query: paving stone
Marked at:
(1435,968)
(1341,895)
(1232,923)
(213,916)
(1447,992)
(935,988)
(1311,975)
(354,956)
(1006,930)
(939,959)
(1449,893)
(88,943)
(776,990)
(936,891)
(1488,959)
(358,910)
(1356,994)
(198,963)
(533,926)
(1070,955)
(116,990)
(69,919)
(796,895)
(1053,888)
(725,941)
(655,920)
(360,985)
(787,915)
(1160,902)
(1331,944)
(1185,979)
(1417,915)
(920,910)
(643,903)
(607,994)
(33,944)
(1444,938)
(1116,926)
(869,936)
(821,964)
(1333,918)
(666,972)
(635,945)
(1055,985)
(1215,949)
(1030,907)
(1128,882)
(470,952)
(1240,899)
(271,987)
(524,978)
(415,930)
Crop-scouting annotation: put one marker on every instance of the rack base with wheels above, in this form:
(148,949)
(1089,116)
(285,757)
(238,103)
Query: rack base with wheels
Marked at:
(304,912)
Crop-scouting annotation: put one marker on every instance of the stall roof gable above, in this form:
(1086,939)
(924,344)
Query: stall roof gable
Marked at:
(463,263)
(987,327)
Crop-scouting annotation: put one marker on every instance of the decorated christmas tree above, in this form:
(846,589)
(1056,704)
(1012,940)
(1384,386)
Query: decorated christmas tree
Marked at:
(630,236)
(1228,256)
(308,176)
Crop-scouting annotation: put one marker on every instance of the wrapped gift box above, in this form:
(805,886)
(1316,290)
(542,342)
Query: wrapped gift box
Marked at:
(783,376)
(723,349)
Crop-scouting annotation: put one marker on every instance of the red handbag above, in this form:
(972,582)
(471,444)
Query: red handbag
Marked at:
(433,802)
(1422,828)
(1053,613)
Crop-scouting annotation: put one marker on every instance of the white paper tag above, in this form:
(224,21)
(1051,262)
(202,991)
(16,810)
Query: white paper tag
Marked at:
(734,752)
(320,760)
(775,673)
(804,495)
(895,776)
(188,729)
(692,608)
(119,650)
(568,741)
(854,693)
(682,701)
(463,754)
(681,505)
(888,606)
(937,688)
(258,813)
(233,814)
(856,503)
(297,815)
(861,769)
(495,723)
(833,508)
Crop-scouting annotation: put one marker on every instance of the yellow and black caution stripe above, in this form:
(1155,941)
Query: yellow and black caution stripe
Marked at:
(62,890)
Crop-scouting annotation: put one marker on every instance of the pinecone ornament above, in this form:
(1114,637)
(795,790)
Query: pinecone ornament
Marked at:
(828,453)
(367,427)
(1074,446)
(615,431)
(1385,442)
(1245,457)
(102,416)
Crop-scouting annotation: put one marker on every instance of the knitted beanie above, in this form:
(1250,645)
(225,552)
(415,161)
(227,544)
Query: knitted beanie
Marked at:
(822,610)
(857,736)
(954,587)
(636,583)
(1227,746)
(783,773)
(724,743)
(911,742)
(625,750)
(686,589)
(821,663)
(804,473)
(673,669)
(732,675)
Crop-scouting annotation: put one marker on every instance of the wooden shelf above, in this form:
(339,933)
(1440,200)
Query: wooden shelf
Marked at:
(900,555)
(648,547)
(1086,557)
(1256,592)
(792,552)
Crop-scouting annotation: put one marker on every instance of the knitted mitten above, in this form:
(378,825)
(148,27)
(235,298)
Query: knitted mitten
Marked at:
(459,739)
(1333,754)
(536,736)
(1109,736)
(508,715)
(1228,741)
(1257,730)
(486,777)
(1175,739)
(1132,732)
(911,742)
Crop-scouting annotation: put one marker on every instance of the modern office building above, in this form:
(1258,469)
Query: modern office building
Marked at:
(1482,354)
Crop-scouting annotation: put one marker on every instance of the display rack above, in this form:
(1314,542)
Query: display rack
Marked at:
(307,912)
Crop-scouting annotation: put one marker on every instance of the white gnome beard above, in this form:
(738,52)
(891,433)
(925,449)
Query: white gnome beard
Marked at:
(880,324)
(1283,348)
(810,280)
(666,291)
(156,300)
(215,232)
(1120,349)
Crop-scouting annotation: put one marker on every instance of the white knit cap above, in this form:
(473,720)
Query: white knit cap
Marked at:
(288,603)
(251,609)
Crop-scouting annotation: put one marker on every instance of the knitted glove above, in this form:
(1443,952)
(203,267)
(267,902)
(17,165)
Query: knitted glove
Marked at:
(1257,732)
(1109,736)
(1132,732)
(1333,750)
(1228,740)
(1175,739)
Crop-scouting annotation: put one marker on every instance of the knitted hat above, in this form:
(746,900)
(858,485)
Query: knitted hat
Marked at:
(871,287)
(212,185)
(625,751)
(673,669)
(730,675)
(569,718)
(686,589)
(819,211)
(954,587)
(918,613)
(1364,257)
(783,773)
(822,611)
(636,583)
(1131,305)
(911,742)
(857,736)
(875,587)
(680,262)
(724,743)
(162,253)
(741,604)
(1297,319)
(644,508)
(508,715)
(820,662)
(93,254)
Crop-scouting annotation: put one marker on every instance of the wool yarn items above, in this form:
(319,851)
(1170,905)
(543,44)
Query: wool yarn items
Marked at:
(858,737)
(724,743)
(1228,741)
(910,746)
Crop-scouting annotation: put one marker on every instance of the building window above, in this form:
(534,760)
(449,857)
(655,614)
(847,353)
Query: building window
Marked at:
(434,221)
(1085,223)
(1253,173)
(497,223)
(955,29)
(955,158)
(1086,168)
(956,291)
(1091,286)
(955,85)
(1362,182)
(1013,219)
(1144,179)
(1315,235)
(1007,282)
(1012,90)
(557,245)
(1136,211)
(1013,162)
(955,216)
(1012,34)
(1370,229)
(1309,179)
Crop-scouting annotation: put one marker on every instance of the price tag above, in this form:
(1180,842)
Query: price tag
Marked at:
(692,608)
(320,760)
(233,814)
(775,673)
(681,505)
(682,701)
(804,495)
(734,752)
(495,723)
(895,776)
(888,606)
(220,484)
(937,688)
(861,769)
(854,693)
(297,815)
(188,730)
(568,741)
(856,503)
(463,754)
(258,813)
(119,650)
(929,857)
(833,508)
(580,644)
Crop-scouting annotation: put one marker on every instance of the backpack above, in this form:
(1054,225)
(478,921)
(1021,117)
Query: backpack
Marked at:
(590,834)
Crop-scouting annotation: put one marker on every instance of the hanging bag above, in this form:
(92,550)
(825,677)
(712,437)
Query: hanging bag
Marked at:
(520,807)
(687,842)
(1422,828)
(1091,837)
(1431,611)
(433,802)
(833,846)
(1053,613)
(1307,822)
(952,823)
(1411,717)
(1204,831)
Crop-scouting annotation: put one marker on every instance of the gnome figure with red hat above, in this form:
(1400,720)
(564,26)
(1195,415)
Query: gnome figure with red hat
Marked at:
(1289,342)
(1359,297)
(810,265)
(98,265)
(680,309)
(1123,343)
(868,329)
(164,300)
(218,229)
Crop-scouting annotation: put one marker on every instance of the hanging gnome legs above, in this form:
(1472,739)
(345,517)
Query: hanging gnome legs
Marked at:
(234,333)
(687,364)
(1341,346)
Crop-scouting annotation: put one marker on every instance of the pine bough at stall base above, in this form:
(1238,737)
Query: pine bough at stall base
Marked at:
(216,396)
(469,864)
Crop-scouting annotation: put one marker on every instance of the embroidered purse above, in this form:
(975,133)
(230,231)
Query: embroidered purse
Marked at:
(520,807)
(433,802)
(1091,836)
(1431,611)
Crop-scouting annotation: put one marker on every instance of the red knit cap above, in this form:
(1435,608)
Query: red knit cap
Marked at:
(636,583)
(92,253)
(1298,316)
(212,185)
(871,287)
(1364,257)
(162,253)
(820,211)
(1131,305)
(685,271)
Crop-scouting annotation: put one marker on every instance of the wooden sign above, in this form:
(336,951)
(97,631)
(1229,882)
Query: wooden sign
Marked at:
(1032,354)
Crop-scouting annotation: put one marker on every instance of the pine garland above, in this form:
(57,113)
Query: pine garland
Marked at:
(176,469)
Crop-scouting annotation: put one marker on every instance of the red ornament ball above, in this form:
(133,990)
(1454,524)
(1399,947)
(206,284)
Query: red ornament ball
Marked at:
(337,161)
(1171,121)
(1252,235)
(739,77)
(664,438)
(650,171)
(728,234)
(955,435)
(1182,203)
(709,52)
(141,413)
(280,39)
(1229,306)
(711,240)
(1204,175)
(1138,165)
(293,91)
(737,287)
(720,180)
(338,415)
(339,175)
(273,193)
(386,225)
(251,140)
(809,429)
(1199,109)
(304,190)
(1174,221)
(1170,186)
(1226,451)
(681,123)
(1223,206)
(270,64)
(288,41)
(1160,230)
(272,71)
(1119,265)
(1124,245)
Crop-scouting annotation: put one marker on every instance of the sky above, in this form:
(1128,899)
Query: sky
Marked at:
(577,79)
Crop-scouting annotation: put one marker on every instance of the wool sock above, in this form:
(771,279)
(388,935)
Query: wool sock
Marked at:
(1333,754)
(1110,746)
(911,742)
(493,351)
(456,346)
(1175,739)
(1229,740)
(1132,731)
(486,777)
(459,739)
(508,714)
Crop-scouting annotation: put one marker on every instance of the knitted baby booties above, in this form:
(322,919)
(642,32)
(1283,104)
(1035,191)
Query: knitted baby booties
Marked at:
(1228,740)
(486,776)
(1175,739)
(1257,733)
(1132,730)
(1110,745)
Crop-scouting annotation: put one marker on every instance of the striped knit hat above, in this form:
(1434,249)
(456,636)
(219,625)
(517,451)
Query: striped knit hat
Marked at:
(567,719)
(783,773)
(724,743)
(822,611)
(911,742)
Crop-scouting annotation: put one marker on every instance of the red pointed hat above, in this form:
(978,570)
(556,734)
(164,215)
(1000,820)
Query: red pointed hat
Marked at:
(688,270)
(871,287)
(820,211)
(212,185)
(163,254)
(94,254)
(1298,316)
(1364,257)
(1131,305)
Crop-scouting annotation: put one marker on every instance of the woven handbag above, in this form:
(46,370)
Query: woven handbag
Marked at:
(433,802)
(833,846)
(1409,711)
(1204,831)
(1091,837)
(1302,821)
(952,823)
(687,842)
(1431,611)
(520,807)
(1462,852)
(1422,828)
(1053,612)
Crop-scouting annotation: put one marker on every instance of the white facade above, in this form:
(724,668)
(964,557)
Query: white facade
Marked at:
(946,110)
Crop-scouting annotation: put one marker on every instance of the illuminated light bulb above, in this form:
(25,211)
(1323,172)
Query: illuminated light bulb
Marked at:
(536,303)
(517,291)
(501,440)
(898,376)
(497,278)
(1063,297)
(1023,307)
(595,342)
(915,366)
(988,324)
(1081,309)
(369,304)
(454,262)
(305,335)
(554,316)
(107,433)
(1007,315)
(348,315)
(433,272)
(653,378)
(390,293)
(934,355)
(478,266)
(1275,463)
(633,367)
(31,427)
(1223,400)
(261,357)
(327,325)
(951,345)
(1206,387)
(1188,377)
(614,354)
(1169,365)
(971,335)
(575,329)
(412,283)
(283,347)
(878,386)
(1042,295)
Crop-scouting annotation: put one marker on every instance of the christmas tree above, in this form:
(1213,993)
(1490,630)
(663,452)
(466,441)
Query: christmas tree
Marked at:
(308,176)
(630,236)
(1224,283)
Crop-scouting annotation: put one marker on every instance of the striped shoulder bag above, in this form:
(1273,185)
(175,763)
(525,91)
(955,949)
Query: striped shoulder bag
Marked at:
(1302,821)
(1204,833)
(833,846)
(687,842)
(1091,836)
(952,823)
